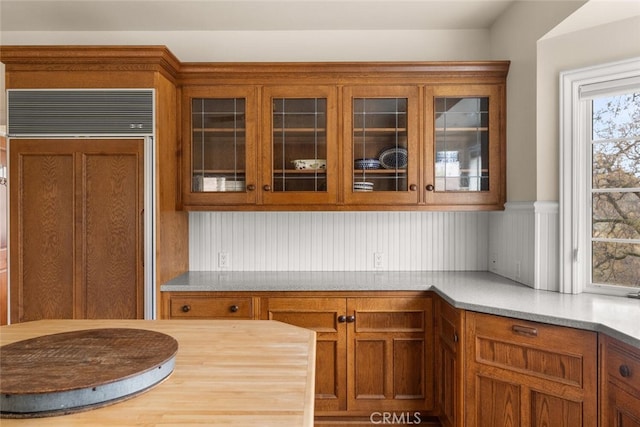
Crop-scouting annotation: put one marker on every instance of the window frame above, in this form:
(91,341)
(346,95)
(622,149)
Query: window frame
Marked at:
(575,169)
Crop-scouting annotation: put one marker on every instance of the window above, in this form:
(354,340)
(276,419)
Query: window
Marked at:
(600,179)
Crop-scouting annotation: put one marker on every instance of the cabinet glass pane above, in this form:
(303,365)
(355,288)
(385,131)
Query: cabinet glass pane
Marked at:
(380,152)
(299,144)
(218,144)
(462,144)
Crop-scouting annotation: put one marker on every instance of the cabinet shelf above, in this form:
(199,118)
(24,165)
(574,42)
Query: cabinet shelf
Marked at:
(300,171)
(472,129)
(379,171)
(218,172)
(218,130)
(379,130)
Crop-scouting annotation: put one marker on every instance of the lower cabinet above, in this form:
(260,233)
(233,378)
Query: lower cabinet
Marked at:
(619,384)
(205,305)
(449,363)
(521,373)
(374,355)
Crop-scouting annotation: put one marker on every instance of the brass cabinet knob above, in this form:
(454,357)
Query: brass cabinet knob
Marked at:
(351,319)
(186,308)
(430,187)
(342,318)
(413,187)
(266,187)
(251,187)
(234,308)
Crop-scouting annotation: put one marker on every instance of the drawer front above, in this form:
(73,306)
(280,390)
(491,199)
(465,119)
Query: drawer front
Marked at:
(548,352)
(623,366)
(194,307)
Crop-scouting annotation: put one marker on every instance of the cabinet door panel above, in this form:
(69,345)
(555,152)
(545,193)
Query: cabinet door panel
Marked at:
(381,145)
(220,138)
(465,162)
(547,410)
(43,282)
(390,357)
(408,358)
(370,356)
(320,315)
(112,234)
(299,123)
(498,403)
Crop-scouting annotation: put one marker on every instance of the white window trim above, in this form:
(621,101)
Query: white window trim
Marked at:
(573,159)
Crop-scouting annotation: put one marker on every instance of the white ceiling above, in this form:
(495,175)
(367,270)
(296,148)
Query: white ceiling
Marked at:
(247,15)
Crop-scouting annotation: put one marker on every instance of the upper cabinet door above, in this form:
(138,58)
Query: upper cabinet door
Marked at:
(464,156)
(219,137)
(381,145)
(300,145)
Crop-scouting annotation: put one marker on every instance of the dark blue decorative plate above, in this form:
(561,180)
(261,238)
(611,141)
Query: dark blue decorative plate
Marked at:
(394,158)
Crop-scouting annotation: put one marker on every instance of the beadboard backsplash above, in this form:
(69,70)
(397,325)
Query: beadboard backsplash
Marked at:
(339,241)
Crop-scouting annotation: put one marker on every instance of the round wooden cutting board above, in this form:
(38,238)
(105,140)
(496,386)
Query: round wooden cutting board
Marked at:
(80,370)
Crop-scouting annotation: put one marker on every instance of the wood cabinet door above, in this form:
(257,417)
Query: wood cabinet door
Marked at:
(390,354)
(321,315)
(381,145)
(299,123)
(449,364)
(465,155)
(76,229)
(523,373)
(220,137)
(619,383)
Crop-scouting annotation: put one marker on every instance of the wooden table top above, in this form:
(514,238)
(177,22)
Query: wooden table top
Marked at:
(228,372)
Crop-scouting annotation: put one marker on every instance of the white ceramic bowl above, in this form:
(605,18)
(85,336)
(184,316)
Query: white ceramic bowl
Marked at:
(310,164)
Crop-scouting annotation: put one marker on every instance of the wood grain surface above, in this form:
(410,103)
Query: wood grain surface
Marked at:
(228,372)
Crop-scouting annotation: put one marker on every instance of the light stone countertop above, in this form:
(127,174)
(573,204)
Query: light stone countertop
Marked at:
(483,292)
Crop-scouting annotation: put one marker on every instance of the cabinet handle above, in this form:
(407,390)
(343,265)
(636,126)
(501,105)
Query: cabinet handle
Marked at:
(342,318)
(430,187)
(233,308)
(413,187)
(186,308)
(351,319)
(525,330)
(251,187)
(625,371)
(266,187)
(455,337)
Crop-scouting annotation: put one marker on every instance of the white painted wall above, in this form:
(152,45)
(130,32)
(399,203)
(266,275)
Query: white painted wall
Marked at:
(612,41)
(514,36)
(330,45)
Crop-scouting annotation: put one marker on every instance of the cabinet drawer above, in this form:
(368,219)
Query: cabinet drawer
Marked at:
(555,353)
(206,307)
(623,366)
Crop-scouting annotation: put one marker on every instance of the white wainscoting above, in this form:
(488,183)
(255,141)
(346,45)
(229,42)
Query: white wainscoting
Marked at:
(339,241)
(511,242)
(523,244)
(547,246)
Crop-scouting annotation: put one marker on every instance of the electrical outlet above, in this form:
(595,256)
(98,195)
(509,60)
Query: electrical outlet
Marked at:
(224,260)
(493,262)
(378,260)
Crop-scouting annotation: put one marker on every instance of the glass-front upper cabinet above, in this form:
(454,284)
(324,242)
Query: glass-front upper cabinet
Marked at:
(220,158)
(300,151)
(381,145)
(464,164)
